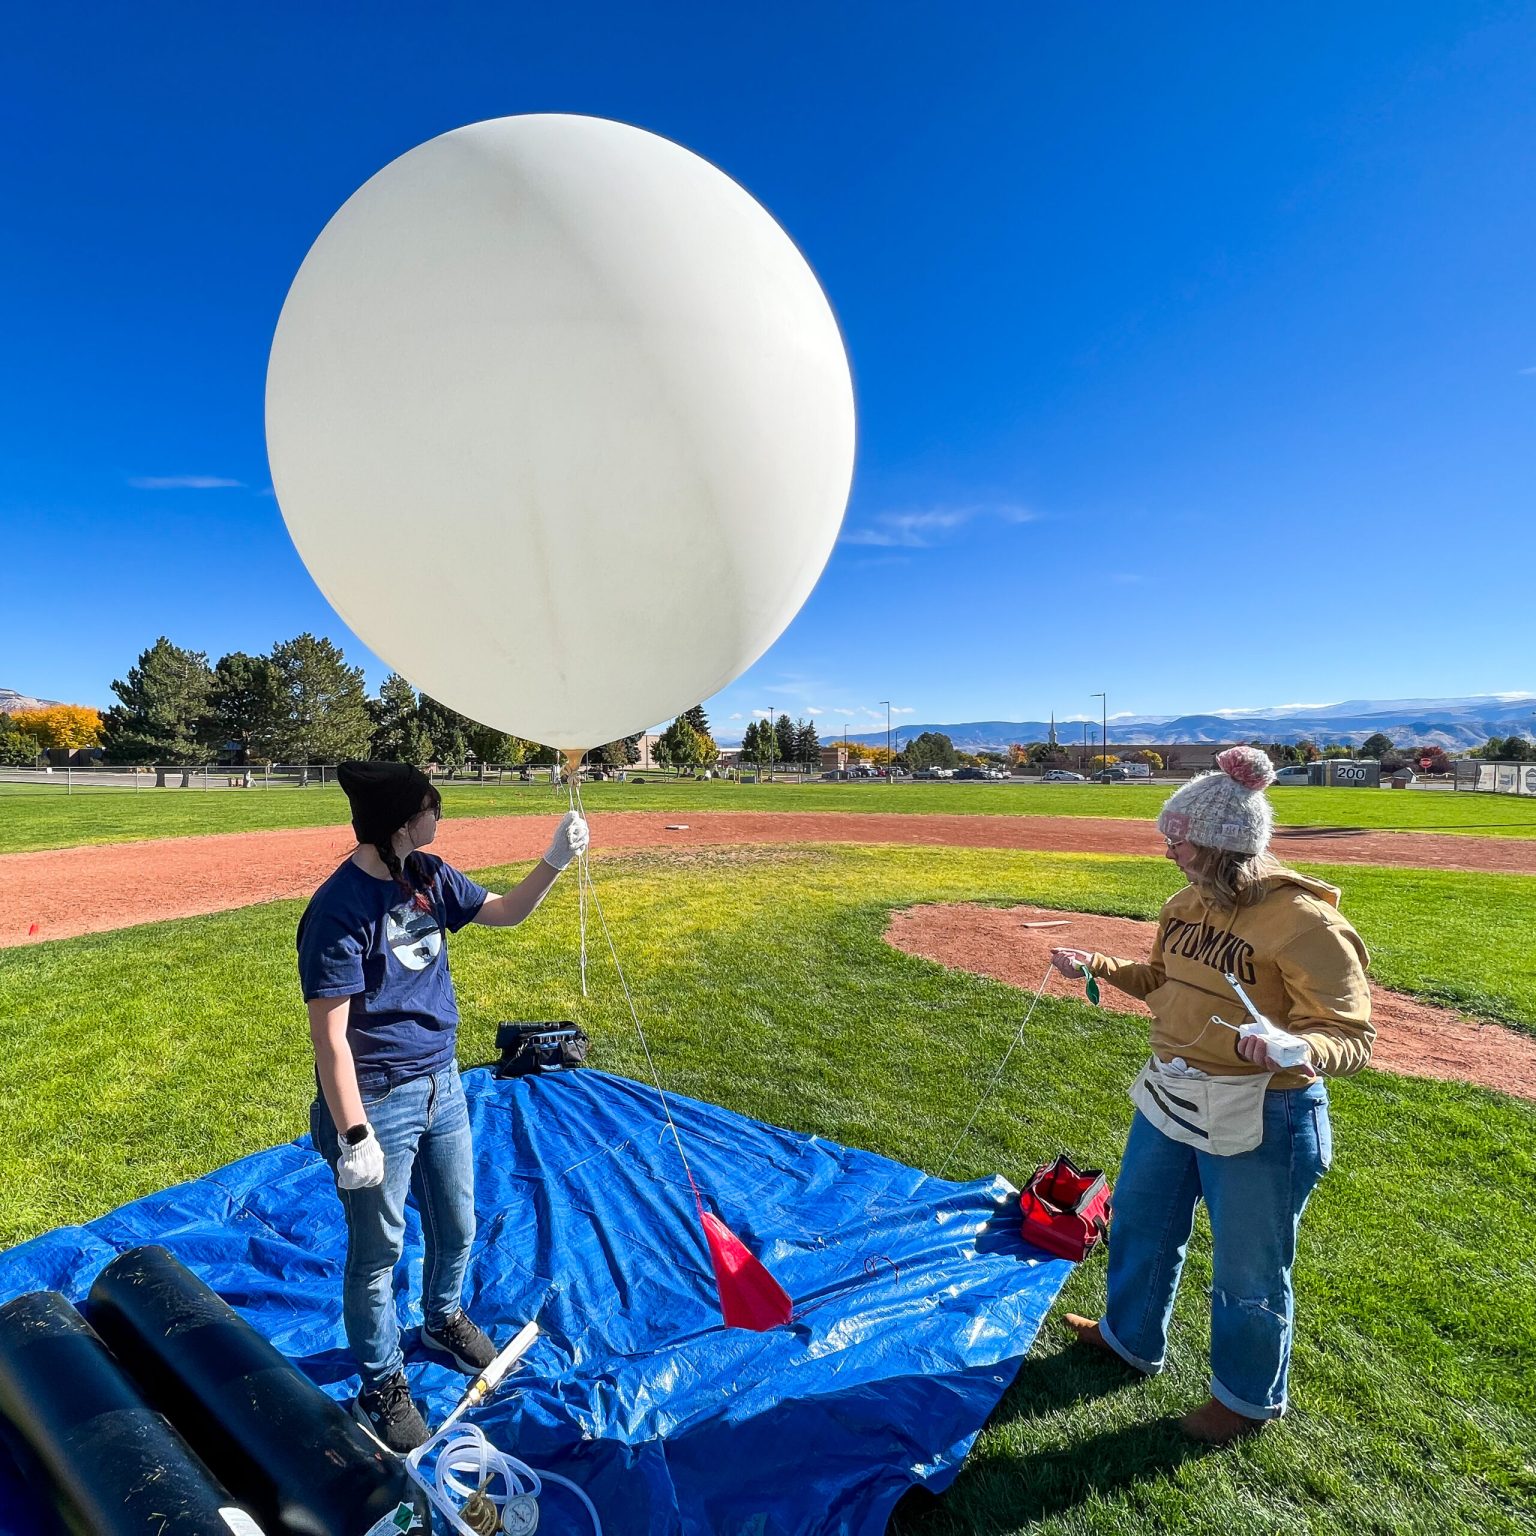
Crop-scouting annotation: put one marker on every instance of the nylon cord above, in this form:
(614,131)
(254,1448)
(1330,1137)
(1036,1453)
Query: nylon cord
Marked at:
(997,1076)
(573,795)
(585,882)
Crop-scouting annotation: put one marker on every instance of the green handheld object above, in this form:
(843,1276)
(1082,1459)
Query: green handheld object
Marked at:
(1090,984)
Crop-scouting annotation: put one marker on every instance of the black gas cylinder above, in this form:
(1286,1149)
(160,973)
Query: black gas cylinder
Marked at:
(295,1456)
(87,1443)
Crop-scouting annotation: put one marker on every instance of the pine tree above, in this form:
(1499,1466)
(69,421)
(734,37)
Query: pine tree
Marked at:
(416,747)
(392,713)
(321,705)
(454,752)
(697,719)
(162,716)
(807,744)
(784,739)
(240,702)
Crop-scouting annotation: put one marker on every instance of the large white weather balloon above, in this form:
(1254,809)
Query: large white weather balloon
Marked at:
(561,423)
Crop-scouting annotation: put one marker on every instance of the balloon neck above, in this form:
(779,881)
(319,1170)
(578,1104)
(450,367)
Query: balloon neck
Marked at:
(573,757)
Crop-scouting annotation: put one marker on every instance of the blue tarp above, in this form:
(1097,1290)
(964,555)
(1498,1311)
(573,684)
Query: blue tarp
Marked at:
(915,1301)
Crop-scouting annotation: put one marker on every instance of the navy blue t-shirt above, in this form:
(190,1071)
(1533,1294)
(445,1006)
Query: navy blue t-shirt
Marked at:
(365,938)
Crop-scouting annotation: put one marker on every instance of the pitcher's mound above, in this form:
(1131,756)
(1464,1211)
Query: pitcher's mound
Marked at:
(1413,1038)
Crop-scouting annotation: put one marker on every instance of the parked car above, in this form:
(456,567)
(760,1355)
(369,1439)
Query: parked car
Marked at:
(1293,773)
(970,773)
(1061,776)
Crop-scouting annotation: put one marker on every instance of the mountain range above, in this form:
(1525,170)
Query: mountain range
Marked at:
(1454,724)
(11,702)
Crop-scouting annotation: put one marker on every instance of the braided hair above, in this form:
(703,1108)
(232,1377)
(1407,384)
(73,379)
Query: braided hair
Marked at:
(386,797)
(413,874)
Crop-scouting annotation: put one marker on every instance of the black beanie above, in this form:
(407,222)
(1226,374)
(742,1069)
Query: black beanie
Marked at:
(383,797)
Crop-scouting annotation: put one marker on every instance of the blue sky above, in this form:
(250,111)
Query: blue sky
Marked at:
(1194,347)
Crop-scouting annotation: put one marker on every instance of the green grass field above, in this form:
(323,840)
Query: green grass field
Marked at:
(151,1055)
(32,818)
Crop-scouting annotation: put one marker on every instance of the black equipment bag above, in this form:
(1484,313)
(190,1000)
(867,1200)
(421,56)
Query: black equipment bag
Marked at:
(527,1049)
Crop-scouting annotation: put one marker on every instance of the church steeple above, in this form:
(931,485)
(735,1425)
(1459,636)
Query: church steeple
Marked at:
(1051,739)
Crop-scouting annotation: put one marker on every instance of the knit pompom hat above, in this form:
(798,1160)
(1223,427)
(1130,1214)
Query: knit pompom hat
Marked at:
(1225,809)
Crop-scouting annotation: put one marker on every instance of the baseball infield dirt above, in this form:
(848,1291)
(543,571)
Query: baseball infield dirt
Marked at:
(1411,1037)
(59,893)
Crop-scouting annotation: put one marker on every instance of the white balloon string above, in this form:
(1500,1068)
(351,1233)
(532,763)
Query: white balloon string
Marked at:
(573,795)
(661,1093)
(997,1076)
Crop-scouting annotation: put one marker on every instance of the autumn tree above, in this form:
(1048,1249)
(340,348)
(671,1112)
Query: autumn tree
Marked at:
(162,712)
(67,727)
(1153,760)
(683,746)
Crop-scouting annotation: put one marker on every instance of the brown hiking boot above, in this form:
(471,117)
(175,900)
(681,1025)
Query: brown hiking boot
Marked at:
(1213,1423)
(1087,1331)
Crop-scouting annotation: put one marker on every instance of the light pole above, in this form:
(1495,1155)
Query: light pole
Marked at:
(890,778)
(847,748)
(1103,732)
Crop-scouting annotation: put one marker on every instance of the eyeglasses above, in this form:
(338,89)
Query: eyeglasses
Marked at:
(1175,842)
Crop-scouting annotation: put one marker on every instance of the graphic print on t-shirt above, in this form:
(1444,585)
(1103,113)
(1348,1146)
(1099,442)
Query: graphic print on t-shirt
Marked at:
(413,936)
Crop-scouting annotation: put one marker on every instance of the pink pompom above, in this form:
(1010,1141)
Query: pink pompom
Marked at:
(1247,766)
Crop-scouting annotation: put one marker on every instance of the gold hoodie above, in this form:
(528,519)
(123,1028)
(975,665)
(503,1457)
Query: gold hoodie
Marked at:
(1297,958)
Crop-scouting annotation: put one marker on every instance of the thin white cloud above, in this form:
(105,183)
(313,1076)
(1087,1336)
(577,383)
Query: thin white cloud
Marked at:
(930,526)
(184,483)
(1526,373)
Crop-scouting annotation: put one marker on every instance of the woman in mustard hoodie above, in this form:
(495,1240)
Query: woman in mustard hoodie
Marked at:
(1230,1108)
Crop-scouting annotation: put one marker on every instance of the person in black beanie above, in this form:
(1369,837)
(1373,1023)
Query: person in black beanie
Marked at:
(389,1115)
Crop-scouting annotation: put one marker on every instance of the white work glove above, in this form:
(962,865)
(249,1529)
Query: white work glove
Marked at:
(569,842)
(1267,1044)
(361,1163)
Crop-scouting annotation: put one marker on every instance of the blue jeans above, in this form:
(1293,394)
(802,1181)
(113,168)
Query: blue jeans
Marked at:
(1255,1201)
(423,1127)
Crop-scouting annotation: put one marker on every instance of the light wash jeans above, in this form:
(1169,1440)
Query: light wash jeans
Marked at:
(1255,1202)
(423,1127)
